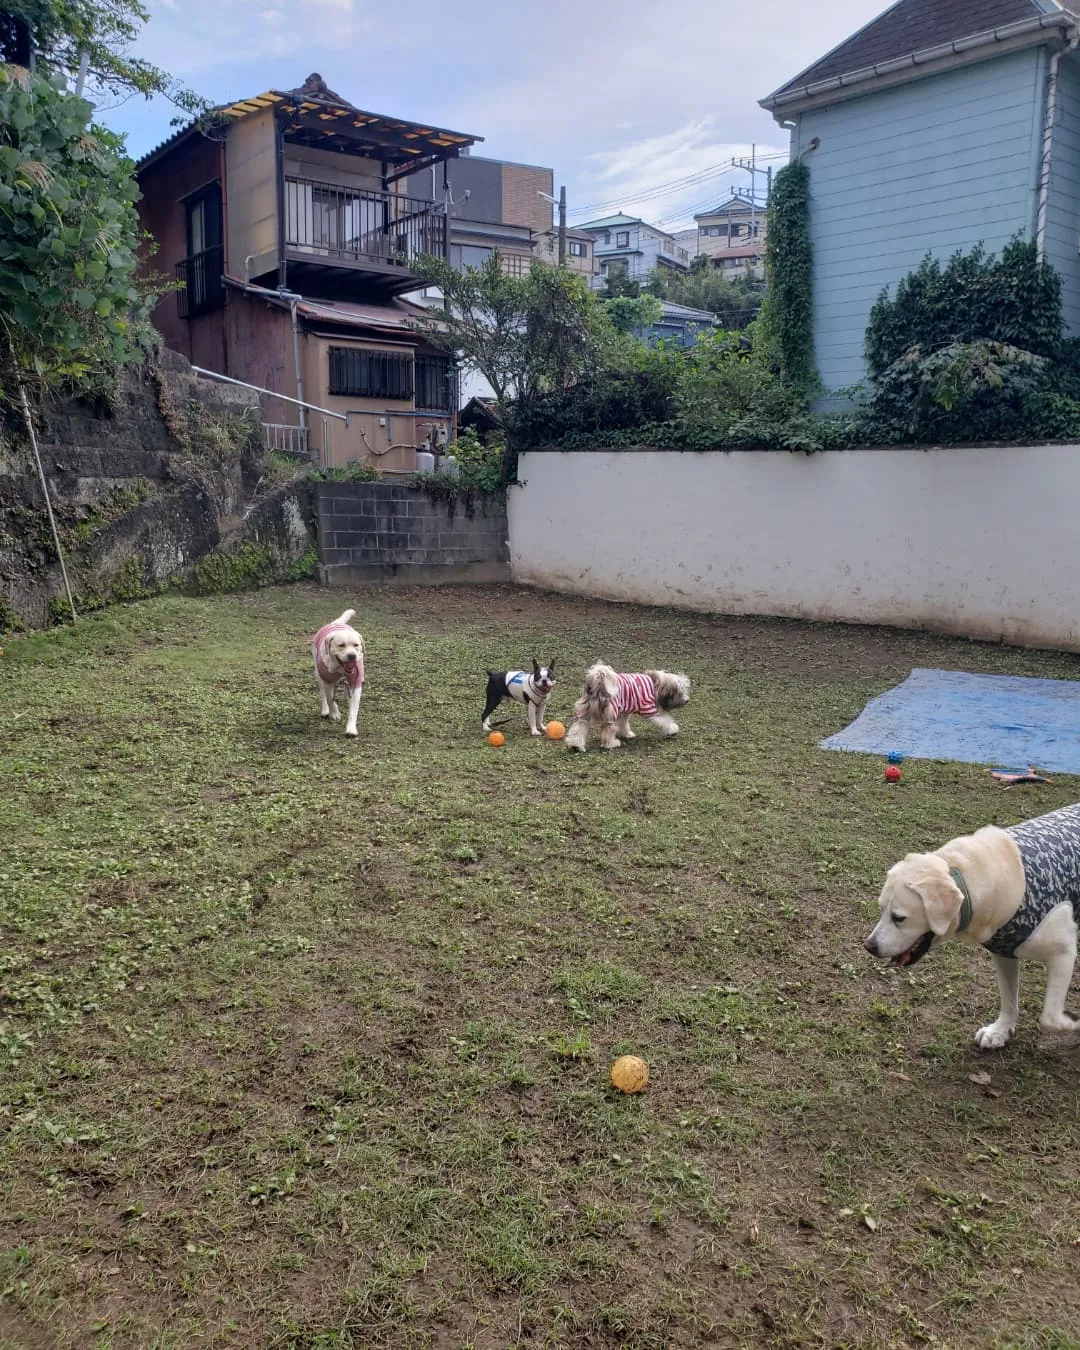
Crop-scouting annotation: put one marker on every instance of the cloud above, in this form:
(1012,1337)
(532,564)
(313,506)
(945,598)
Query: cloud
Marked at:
(668,176)
(205,36)
(615,104)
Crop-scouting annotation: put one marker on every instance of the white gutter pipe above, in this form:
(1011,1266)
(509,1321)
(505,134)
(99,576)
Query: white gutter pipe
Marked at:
(1048,141)
(958,47)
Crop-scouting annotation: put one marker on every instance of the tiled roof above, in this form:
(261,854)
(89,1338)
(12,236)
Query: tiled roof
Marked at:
(610,222)
(915,26)
(735,200)
(739,251)
(617,222)
(397,314)
(335,114)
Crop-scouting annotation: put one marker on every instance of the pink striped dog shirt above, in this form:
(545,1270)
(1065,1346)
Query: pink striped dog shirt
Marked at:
(636,695)
(349,675)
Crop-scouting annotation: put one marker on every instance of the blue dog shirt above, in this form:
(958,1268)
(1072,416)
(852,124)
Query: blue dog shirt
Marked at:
(1050,851)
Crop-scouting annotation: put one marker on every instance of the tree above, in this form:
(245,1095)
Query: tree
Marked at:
(525,335)
(617,283)
(735,303)
(69,304)
(628,315)
(62,31)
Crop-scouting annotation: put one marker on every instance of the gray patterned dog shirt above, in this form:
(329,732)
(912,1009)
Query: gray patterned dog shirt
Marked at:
(1050,851)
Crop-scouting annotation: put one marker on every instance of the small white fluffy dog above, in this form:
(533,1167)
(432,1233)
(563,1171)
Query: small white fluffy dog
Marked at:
(609,700)
(338,650)
(1015,892)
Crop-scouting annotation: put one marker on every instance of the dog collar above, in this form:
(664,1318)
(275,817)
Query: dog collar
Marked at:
(965,905)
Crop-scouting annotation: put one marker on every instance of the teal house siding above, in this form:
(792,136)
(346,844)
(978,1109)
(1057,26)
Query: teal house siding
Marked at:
(931,166)
(1061,236)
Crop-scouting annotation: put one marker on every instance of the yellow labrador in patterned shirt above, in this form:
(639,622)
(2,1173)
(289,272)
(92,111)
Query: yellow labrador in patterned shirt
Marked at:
(1015,892)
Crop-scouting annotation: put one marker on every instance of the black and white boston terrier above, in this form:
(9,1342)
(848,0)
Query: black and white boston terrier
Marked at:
(533,690)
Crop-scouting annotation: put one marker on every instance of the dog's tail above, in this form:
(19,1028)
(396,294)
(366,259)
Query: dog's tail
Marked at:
(347,617)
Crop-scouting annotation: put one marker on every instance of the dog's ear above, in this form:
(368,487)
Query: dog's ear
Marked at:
(326,645)
(941,898)
(536,667)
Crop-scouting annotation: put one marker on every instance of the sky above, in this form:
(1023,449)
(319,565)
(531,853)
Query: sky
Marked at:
(620,100)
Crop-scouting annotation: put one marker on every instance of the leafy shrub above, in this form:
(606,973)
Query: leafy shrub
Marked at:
(360,471)
(1014,299)
(972,351)
(614,400)
(724,379)
(480,462)
(973,390)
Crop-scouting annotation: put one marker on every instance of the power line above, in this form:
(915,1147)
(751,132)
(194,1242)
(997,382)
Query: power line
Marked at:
(661,190)
(672,188)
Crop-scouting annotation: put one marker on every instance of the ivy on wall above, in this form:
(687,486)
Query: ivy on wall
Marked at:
(787,314)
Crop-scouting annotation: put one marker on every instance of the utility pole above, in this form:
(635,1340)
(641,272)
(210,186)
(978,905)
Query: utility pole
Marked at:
(561,204)
(751,167)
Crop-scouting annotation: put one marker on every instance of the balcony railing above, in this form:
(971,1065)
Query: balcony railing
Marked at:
(203,288)
(354,225)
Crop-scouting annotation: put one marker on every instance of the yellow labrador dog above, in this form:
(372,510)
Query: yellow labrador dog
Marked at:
(338,651)
(1015,892)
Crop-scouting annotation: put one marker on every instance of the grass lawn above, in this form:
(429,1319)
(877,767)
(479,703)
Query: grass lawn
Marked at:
(304,1041)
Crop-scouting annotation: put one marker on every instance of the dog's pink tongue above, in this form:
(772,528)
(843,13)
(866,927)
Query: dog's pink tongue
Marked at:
(904,958)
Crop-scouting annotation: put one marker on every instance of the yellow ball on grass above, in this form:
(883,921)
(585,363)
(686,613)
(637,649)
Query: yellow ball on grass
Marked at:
(496,738)
(629,1073)
(555,731)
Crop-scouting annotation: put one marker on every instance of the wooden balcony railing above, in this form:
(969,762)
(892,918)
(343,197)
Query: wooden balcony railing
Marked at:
(203,288)
(355,225)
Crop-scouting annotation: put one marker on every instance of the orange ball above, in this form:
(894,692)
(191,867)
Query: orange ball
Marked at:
(555,731)
(496,738)
(629,1073)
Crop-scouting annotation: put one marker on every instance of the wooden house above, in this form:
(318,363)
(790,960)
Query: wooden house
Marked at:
(285,220)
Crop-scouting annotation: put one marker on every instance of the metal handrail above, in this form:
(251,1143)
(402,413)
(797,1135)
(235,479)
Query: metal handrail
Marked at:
(285,398)
(273,393)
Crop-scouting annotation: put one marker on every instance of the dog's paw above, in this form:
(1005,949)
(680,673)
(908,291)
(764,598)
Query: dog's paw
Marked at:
(536,733)
(1062,1021)
(672,730)
(627,735)
(351,731)
(994,1036)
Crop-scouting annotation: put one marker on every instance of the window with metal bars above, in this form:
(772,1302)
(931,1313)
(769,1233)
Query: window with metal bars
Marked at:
(365,374)
(434,384)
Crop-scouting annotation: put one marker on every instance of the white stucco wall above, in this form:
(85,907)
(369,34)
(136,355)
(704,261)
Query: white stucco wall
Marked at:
(981,542)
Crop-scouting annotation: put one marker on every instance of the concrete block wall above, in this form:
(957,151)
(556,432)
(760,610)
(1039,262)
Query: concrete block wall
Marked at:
(396,532)
(909,536)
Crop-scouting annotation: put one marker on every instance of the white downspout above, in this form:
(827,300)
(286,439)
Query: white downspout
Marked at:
(299,375)
(1072,41)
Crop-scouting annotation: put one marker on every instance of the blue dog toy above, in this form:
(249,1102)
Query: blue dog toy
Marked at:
(895,757)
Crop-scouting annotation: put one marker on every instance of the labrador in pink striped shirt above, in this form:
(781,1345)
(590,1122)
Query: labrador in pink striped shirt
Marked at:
(609,700)
(338,651)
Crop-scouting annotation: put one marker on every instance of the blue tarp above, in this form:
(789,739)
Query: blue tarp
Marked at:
(1001,720)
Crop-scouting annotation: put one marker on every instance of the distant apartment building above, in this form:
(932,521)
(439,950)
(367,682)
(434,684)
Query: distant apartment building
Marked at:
(492,206)
(732,235)
(628,244)
(580,256)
